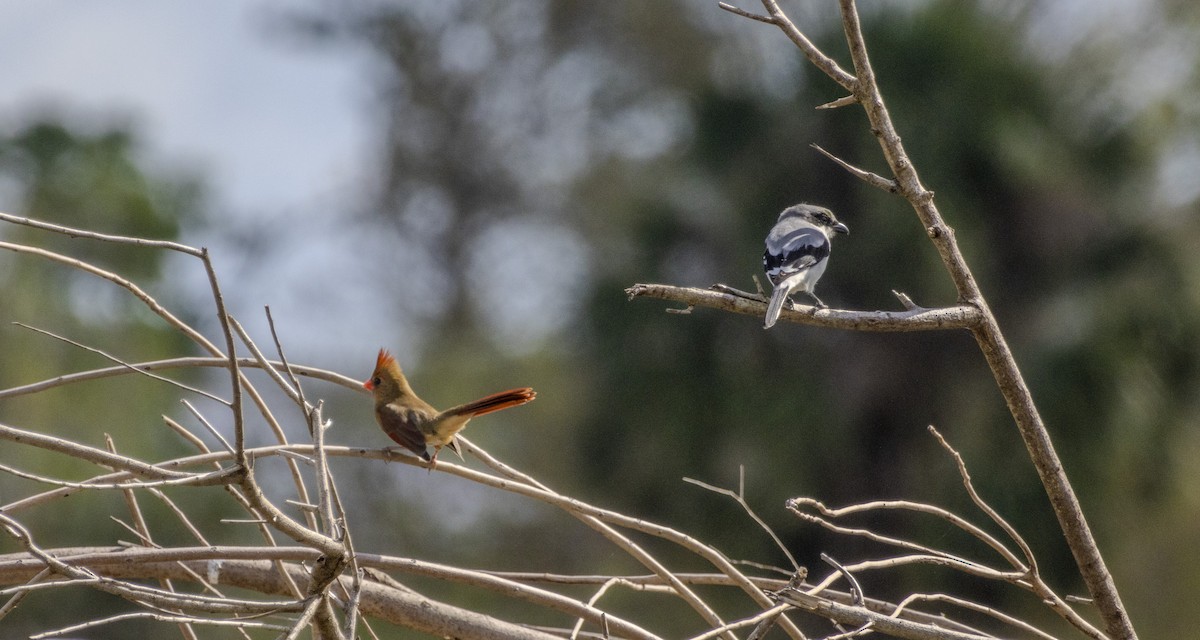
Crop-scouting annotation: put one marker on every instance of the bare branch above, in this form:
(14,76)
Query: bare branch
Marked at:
(223,476)
(598,519)
(919,319)
(137,291)
(208,622)
(860,616)
(18,595)
(83,233)
(769,615)
(1037,585)
(746,14)
(856,591)
(796,506)
(261,361)
(1030,561)
(814,55)
(131,368)
(174,363)
(740,498)
(91,454)
(208,426)
(984,327)
(139,593)
(1023,626)
(873,179)
(843,101)
(341,581)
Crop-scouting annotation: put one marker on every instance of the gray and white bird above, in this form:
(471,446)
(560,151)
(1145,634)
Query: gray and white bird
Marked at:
(797,253)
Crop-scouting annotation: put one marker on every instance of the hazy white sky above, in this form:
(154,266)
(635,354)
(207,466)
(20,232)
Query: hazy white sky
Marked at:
(276,129)
(272,123)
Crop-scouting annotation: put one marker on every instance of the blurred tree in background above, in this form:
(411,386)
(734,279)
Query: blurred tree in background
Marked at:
(84,176)
(536,158)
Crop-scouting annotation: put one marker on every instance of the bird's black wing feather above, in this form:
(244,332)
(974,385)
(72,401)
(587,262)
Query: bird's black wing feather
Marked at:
(796,251)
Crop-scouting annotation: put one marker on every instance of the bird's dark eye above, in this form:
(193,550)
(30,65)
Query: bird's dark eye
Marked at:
(375,381)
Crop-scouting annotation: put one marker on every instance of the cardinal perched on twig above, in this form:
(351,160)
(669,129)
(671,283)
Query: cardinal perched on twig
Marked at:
(416,425)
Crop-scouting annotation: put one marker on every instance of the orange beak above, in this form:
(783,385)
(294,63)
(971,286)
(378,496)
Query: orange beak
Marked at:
(368,386)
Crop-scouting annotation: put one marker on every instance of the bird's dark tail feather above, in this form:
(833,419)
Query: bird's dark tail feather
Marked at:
(495,402)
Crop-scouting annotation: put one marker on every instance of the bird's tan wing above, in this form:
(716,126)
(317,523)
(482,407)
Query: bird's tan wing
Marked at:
(403,425)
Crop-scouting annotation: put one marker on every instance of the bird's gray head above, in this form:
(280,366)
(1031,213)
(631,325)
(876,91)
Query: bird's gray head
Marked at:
(819,216)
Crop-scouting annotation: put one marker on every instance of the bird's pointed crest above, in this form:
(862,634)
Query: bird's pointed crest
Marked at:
(384,359)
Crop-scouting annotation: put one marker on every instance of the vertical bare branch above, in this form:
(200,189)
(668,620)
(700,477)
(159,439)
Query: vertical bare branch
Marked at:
(992,342)
(987,333)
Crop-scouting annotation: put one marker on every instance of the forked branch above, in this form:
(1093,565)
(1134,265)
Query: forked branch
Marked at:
(863,87)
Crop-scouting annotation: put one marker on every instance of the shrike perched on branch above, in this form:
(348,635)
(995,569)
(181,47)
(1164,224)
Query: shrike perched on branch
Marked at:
(797,253)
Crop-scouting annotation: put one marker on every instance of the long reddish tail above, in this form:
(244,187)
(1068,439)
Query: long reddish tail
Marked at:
(495,402)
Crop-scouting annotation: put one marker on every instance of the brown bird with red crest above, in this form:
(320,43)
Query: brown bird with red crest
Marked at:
(414,423)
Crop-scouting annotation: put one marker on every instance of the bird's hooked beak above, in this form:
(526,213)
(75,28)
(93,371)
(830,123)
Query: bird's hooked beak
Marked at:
(841,228)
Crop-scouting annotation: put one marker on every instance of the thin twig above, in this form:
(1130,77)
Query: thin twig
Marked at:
(740,498)
(223,476)
(297,477)
(1030,561)
(75,232)
(1037,584)
(863,86)
(796,506)
(873,179)
(90,454)
(142,615)
(810,50)
(140,593)
(860,616)
(593,518)
(212,430)
(174,363)
(287,368)
(771,614)
(856,592)
(745,14)
(143,532)
(15,600)
(1021,625)
(124,364)
(128,285)
(843,101)
(263,364)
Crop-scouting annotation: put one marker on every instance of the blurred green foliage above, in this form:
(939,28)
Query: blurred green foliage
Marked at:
(656,143)
(1049,197)
(90,180)
(94,179)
